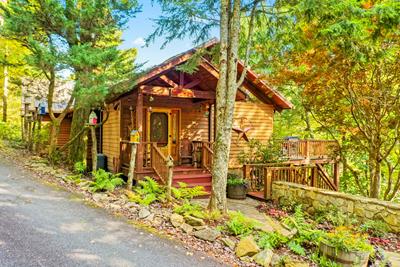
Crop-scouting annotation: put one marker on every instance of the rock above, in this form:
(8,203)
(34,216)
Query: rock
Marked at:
(197,228)
(393,258)
(279,228)
(295,263)
(247,247)
(228,242)
(187,228)
(176,220)
(246,259)
(131,205)
(276,260)
(264,257)
(193,221)
(144,213)
(208,234)
(114,206)
(150,217)
(157,221)
(99,197)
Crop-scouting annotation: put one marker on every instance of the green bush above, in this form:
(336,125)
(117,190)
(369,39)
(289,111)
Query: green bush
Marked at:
(261,153)
(334,216)
(375,228)
(10,131)
(234,179)
(343,239)
(105,181)
(239,224)
(80,167)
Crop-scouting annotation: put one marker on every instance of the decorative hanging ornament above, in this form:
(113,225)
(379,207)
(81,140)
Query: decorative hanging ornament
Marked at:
(92,118)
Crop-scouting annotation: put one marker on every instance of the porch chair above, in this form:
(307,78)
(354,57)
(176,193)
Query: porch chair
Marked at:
(186,152)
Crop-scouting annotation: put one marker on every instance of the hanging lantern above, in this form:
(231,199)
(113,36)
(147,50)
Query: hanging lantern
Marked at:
(92,118)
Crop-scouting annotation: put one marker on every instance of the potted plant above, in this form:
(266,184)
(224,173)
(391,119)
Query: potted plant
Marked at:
(346,248)
(237,187)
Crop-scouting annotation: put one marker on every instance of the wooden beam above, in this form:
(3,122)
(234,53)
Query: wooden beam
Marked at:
(190,93)
(181,79)
(192,84)
(176,92)
(168,81)
(139,125)
(155,90)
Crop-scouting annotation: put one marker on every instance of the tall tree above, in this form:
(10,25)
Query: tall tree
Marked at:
(87,35)
(196,19)
(344,57)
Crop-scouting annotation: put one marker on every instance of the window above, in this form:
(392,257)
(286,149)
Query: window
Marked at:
(159,128)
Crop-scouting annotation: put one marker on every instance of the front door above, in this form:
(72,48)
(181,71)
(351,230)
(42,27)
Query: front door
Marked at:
(163,128)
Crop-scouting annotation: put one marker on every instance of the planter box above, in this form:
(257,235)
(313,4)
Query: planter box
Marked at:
(236,191)
(346,259)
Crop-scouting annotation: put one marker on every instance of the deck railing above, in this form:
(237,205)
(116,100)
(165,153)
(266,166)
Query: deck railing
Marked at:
(308,149)
(261,176)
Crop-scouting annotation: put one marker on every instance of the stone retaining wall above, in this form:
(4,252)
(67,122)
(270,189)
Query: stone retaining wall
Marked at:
(314,199)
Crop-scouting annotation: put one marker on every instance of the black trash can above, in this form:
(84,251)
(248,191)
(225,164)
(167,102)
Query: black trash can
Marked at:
(102,161)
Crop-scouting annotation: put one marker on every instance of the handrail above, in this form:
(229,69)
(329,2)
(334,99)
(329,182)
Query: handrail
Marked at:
(207,156)
(159,163)
(307,149)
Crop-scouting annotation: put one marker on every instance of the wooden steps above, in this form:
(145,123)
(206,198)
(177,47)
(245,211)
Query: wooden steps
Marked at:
(192,177)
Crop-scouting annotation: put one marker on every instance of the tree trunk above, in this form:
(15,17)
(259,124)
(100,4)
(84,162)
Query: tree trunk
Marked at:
(94,147)
(375,174)
(77,149)
(225,101)
(54,131)
(5,93)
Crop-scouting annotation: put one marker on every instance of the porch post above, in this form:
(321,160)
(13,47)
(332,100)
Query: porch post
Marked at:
(139,125)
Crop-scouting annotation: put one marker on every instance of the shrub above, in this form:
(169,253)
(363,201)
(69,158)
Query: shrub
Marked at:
(343,239)
(80,167)
(11,132)
(234,179)
(239,224)
(334,216)
(375,228)
(261,153)
(271,240)
(105,181)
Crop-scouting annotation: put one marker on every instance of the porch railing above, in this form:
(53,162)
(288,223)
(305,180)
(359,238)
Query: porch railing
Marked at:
(159,163)
(308,149)
(207,156)
(261,176)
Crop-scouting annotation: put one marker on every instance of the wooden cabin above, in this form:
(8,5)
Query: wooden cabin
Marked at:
(174,114)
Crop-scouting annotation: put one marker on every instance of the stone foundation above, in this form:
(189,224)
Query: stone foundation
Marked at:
(318,199)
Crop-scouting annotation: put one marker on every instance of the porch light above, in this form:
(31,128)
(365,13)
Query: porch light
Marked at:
(151,98)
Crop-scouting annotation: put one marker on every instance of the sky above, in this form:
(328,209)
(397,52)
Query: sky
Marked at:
(140,27)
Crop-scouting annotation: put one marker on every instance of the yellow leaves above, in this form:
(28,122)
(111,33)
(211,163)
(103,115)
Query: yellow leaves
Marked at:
(367,5)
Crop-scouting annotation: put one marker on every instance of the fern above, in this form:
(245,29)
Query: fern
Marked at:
(190,209)
(185,192)
(105,181)
(296,248)
(239,224)
(271,240)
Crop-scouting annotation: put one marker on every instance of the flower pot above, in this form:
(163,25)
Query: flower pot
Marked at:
(345,258)
(236,191)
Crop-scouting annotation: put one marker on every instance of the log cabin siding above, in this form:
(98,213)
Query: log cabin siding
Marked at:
(65,130)
(259,117)
(194,124)
(111,138)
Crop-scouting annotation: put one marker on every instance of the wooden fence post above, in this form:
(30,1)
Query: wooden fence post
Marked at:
(314,176)
(268,184)
(132,165)
(170,164)
(336,175)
